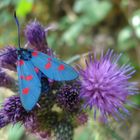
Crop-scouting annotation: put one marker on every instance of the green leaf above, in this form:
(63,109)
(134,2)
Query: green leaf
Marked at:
(15,132)
(90,16)
(72,33)
(4,3)
(24,7)
(135,19)
(84,135)
(96,10)
(136,99)
(5,17)
(137,31)
(135,22)
(113,133)
(125,39)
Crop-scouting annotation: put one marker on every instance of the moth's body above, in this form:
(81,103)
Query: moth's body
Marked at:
(24,54)
(30,64)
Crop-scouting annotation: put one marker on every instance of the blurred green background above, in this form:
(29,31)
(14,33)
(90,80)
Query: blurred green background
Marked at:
(80,27)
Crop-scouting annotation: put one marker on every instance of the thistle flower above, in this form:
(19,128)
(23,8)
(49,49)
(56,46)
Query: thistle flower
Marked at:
(3,119)
(12,108)
(47,121)
(81,118)
(35,34)
(46,103)
(8,61)
(40,124)
(64,130)
(105,85)
(6,80)
(31,124)
(68,98)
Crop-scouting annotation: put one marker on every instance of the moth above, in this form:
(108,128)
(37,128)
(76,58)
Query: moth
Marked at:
(29,64)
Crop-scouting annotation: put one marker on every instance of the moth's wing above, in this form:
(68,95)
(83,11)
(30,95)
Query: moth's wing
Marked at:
(53,68)
(29,84)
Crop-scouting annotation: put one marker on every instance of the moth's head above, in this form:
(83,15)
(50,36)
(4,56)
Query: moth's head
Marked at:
(24,54)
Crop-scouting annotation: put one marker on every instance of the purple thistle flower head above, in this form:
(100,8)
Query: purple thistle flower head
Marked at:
(68,98)
(12,108)
(3,119)
(105,85)
(41,124)
(8,60)
(46,103)
(35,34)
(32,125)
(6,80)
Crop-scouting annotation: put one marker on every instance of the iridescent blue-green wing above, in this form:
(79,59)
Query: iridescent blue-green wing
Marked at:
(29,84)
(52,67)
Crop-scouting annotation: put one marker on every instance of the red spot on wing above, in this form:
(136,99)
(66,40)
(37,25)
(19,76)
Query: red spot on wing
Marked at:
(25,91)
(29,77)
(21,77)
(36,69)
(34,53)
(61,67)
(20,62)
(48,65)
(49,59)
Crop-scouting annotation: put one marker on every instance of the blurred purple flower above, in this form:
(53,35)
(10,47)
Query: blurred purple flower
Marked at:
(64,130)
(81,118)
(46,103)
(8,60)
(6,80)
(12,108)
(3,119)
(44,135)
(68,98)
(41,124)
(31,124)
(105,85)
(35,34)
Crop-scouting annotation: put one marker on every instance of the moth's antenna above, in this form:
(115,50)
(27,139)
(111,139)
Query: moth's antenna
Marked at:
(17,22)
